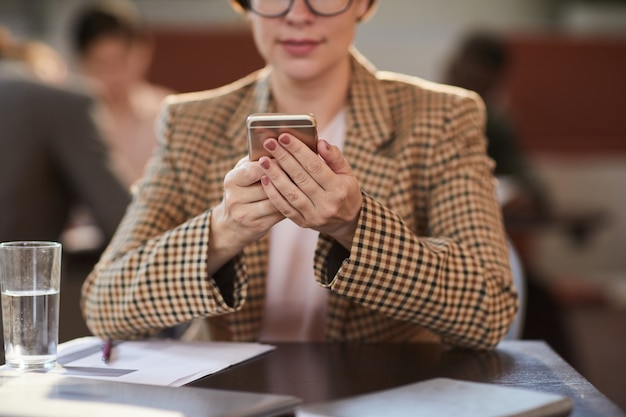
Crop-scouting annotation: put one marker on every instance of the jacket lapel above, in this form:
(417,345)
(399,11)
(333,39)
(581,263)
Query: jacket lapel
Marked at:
(369,131)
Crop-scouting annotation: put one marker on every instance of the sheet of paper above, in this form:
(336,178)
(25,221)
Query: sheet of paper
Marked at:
(153,362)
(31,393)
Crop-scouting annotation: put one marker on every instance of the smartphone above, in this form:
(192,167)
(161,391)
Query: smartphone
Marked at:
(270,125)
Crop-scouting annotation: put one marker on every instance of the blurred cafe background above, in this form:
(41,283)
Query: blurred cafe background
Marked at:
(563,90)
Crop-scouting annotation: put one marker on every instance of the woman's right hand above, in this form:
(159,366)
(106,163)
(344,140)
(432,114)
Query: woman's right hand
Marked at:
(244,215)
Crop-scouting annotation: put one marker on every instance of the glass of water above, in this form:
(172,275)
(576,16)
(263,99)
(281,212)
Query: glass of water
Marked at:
(30,280)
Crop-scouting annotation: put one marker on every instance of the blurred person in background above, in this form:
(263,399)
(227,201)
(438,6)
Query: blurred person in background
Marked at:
(114,52)
(480,63)
(52,156)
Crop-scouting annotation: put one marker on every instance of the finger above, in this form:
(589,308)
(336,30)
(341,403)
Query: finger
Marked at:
(254,214)
(280,203)
(333,157)
(324,168)
(303,167)
(251,194)
(251,221)
(286,184)
(244,174)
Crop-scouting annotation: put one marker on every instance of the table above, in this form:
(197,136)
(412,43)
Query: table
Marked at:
(319,372)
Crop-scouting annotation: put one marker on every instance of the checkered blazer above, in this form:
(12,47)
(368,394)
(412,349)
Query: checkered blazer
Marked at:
(429,260)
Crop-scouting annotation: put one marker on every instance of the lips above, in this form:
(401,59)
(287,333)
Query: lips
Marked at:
(299,47)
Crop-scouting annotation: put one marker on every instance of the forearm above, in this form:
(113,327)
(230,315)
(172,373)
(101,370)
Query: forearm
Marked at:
(141,287)
(435,283)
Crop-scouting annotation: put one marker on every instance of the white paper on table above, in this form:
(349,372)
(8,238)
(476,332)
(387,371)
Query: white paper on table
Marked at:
(152,362)
(30,393)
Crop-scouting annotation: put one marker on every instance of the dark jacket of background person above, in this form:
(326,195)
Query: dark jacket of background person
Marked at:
(51,157)
(481,64)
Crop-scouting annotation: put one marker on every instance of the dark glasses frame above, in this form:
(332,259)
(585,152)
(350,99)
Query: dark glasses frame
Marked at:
(248,5)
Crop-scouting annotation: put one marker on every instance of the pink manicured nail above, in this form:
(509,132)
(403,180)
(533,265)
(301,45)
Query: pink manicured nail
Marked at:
(270,145)
(265,163)
(285,139)
(265,180)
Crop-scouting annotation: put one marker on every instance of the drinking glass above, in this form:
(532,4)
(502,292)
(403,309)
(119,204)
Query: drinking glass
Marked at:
(30,280)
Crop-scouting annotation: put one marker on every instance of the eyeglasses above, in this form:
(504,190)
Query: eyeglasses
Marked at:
(279,8)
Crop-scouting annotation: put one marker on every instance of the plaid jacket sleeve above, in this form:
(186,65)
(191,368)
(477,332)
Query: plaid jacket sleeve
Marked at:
(153,273)
(450,275)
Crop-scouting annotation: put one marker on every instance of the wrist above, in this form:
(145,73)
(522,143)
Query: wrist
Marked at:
(222,246)
(344,235)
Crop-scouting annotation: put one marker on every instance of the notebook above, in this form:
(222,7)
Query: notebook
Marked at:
(40,395)
(443,397)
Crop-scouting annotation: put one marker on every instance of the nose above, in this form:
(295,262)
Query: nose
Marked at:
(299,12)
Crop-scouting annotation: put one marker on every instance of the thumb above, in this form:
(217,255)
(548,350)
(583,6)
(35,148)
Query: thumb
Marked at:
(333,157)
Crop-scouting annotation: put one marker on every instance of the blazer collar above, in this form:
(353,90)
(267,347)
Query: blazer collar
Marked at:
(255,100)
(369,131)
(369,119)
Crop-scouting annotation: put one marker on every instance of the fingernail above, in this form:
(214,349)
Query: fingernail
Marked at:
(265,163)
(270,145)
(265,180)
(285,139)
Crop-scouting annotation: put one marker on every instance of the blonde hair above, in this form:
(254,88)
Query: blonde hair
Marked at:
(41,58)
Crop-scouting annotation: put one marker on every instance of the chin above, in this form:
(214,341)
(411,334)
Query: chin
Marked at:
(302,71)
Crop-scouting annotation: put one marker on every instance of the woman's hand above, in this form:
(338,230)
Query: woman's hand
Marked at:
(244,215)
(316,193)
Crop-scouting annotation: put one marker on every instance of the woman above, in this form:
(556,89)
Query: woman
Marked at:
(410,246)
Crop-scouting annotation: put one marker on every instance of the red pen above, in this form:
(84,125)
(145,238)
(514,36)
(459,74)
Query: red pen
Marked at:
(106,351)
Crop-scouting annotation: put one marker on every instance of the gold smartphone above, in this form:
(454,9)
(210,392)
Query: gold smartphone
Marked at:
(270,125)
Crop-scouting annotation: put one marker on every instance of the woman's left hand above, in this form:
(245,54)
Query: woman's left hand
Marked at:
(317,193)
